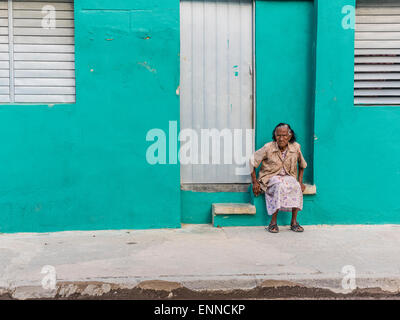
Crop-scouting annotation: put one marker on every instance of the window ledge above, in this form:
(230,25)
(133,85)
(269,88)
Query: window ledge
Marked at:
(310,189)
(216,187)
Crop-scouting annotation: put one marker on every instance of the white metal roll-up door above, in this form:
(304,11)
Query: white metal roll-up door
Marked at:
(216,86)
(41,55)
(377,53)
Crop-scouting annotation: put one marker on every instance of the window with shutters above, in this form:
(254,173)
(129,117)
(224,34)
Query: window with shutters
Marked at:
(377,53)
(37,54)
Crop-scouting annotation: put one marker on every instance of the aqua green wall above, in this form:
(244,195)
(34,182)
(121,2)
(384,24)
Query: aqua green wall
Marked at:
(284,70)
(83,166)
(357,149)
(196,206)
(284,34)
(354,156)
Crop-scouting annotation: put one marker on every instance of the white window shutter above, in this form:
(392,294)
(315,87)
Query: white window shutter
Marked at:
(37,59)
(4,54)
(377,53)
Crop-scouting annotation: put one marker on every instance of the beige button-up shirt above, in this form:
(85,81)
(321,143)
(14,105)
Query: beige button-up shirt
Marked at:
(270,158)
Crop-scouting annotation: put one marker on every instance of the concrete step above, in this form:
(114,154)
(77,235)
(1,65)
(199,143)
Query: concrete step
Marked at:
(221,211)
(233,208)
(245,214)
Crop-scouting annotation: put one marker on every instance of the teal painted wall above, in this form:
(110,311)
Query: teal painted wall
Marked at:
(284,71)
(355,149)
(83,166)
(284,34)
(196,206)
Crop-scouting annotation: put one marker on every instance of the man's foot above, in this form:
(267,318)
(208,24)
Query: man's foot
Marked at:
(273,228)
(296,227)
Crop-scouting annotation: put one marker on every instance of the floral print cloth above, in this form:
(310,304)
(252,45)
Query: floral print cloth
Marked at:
(283,192)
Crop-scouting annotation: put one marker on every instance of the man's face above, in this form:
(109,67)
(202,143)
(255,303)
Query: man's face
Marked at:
(282,136)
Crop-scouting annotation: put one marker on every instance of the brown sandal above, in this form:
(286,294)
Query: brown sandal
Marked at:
(296,227)
(273,228)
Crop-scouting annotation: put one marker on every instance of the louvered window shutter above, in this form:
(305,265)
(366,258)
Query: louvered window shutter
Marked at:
(41,54)
(4,54)
(377,53)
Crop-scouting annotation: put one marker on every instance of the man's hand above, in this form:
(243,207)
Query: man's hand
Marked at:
(256,188)
(303,187)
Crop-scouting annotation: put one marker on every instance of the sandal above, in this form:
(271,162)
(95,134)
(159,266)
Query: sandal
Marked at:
(296,227)
(273,228)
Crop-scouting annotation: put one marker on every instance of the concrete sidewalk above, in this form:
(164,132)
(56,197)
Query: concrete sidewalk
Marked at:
(198,258)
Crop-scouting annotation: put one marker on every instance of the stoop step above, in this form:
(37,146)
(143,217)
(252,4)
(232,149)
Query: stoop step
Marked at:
(244,214)
(233,208)
(224,209)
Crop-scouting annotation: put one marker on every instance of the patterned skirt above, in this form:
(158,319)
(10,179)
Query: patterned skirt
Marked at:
(283,193)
